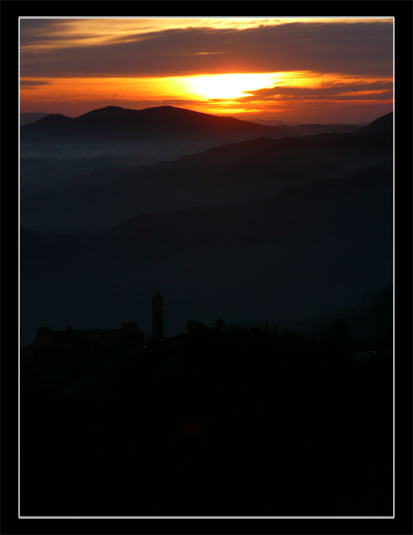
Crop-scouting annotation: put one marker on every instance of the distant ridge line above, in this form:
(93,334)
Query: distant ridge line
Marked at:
(176,109)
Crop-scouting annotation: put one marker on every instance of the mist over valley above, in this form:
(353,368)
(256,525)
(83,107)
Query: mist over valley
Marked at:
(304,247)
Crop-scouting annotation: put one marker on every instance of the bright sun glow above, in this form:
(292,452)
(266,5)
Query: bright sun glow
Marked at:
(223,86)
(208,93)
(197,87)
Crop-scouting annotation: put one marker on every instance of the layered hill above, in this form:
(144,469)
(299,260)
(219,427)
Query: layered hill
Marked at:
(164,122)
(29,118)
(381,126)
(57,148)
(223,176)
(311,250)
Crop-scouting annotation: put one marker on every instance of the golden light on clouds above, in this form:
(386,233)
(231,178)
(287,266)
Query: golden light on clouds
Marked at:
(70,33)
(218,92)
(221,65)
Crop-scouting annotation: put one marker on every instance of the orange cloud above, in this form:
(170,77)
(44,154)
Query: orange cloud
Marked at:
(222,94)
(224,66)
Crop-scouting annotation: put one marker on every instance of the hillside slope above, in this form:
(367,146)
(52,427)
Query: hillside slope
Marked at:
(224,176)
(311,250)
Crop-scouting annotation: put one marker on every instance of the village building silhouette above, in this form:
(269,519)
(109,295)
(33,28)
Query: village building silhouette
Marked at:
(99,346)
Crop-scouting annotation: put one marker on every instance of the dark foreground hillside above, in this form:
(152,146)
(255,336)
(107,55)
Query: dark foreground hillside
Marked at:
(218,421)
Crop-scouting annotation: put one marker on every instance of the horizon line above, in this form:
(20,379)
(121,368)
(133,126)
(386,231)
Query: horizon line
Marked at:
(257,120)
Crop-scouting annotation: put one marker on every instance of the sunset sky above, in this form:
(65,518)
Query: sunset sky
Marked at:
(293,70)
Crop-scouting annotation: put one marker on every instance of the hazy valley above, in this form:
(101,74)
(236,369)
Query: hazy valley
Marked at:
(278,230)
(223,176)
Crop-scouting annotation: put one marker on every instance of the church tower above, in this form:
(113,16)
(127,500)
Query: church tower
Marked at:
(157,318)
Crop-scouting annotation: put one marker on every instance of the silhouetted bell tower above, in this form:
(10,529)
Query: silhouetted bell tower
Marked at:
(157,317)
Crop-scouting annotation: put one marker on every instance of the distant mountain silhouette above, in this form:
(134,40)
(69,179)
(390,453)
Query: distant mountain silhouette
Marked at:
(159,123)
(58,148)
(380,129)
(164,122)
(313,129)
(28,118)
(54,119)
(380,126)
(223,176)
(269,122)
(311,250)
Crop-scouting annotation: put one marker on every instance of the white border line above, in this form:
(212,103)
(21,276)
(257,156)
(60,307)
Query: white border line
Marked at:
(394,309)
(262,17)
(18,264)
(207,517)
(394,275)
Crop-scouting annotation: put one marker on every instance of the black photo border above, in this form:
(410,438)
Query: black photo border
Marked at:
(402,12)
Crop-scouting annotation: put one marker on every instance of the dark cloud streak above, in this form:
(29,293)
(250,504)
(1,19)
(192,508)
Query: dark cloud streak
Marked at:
(32,84)
(348,48)
(379,90)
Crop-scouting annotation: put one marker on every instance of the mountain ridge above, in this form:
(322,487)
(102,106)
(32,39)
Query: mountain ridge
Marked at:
(160,120)
(115,122)
(228,174)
